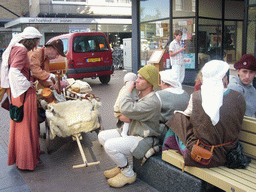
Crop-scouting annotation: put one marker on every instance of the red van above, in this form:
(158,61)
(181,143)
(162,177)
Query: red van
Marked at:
(88,55)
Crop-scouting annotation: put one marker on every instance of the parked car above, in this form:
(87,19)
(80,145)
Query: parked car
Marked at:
(88,55)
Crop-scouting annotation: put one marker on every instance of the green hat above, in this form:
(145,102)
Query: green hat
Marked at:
(151,74)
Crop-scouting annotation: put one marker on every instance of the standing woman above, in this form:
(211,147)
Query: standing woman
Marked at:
(24,138)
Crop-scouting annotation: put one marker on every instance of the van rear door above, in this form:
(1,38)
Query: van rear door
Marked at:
(91,53)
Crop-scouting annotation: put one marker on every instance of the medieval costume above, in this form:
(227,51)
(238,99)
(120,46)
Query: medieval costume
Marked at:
(215,117)
(24,138)
(248,62)
(144,127)
(40,61)
(172,98)
(39,65)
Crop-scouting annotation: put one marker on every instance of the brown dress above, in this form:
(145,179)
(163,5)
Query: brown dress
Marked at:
(24,137)
(199,126)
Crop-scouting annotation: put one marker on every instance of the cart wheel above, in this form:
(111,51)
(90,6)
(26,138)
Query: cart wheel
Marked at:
(47,138)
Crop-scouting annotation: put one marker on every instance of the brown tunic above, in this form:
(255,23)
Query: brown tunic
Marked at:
(199,126)
(39,66)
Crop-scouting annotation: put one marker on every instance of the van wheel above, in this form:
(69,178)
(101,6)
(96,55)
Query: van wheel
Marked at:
(104,79)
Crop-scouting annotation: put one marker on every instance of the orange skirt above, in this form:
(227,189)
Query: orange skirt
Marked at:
(24,146)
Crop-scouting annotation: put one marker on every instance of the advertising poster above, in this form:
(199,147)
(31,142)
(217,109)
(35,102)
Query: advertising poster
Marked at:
(189,60)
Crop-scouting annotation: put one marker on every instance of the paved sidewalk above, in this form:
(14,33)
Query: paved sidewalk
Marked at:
(57,173)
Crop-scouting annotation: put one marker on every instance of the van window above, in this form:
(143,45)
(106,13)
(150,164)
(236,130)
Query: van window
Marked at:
(65,45)
(83,44)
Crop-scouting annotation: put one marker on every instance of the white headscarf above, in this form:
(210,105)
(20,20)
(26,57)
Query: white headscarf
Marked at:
(168,76)
(28,33)
(212,88)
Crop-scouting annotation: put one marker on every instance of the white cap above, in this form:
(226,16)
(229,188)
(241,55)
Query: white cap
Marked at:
(168,76)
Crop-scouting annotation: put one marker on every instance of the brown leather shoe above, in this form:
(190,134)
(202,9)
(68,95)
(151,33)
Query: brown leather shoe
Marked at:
(112,172)
(120,180)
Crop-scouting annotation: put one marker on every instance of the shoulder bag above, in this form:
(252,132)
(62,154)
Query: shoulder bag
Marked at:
(16,113)
(201,154)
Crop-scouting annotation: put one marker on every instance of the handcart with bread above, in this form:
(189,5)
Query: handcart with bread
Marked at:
(70,109)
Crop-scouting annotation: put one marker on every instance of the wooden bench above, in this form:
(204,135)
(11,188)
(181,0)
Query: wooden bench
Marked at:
(233,180)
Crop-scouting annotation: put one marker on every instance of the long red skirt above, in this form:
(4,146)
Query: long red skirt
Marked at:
(24,137)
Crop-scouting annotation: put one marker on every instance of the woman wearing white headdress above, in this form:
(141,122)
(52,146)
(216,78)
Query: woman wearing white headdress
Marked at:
(24,146)
(216,115)
(171,96)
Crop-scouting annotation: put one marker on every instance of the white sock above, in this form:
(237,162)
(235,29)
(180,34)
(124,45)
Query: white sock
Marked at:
(128,172)
(125,129)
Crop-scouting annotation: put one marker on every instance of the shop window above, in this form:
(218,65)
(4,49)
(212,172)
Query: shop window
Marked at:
(232,41)
(234,9)
(251,2)
(251,28)
(178,5)
(209,41)
(149,11)
(210,9)
(154,35)
(188,38)
(184,8)
(193,6)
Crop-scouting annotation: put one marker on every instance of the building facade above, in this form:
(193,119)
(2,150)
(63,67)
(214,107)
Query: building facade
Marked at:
(219,29)
(55,17)
(10,10)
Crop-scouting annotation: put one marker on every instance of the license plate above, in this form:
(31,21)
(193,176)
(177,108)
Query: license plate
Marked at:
(91,60)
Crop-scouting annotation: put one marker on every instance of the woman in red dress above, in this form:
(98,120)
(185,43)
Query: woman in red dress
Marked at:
(24,137)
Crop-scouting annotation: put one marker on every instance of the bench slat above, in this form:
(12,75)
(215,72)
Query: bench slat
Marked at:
(249,124)
(236,176)
(248,138)
(250,173)
(249,149)
(252,167)
(253,163)
(208,175)
(249,118)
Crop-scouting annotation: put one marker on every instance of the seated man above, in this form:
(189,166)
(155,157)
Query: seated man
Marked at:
(216,116)
(172,97)
(143,116)
(246,69)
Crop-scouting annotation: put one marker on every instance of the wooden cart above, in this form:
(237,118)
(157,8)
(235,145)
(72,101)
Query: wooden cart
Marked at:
(75,136)
(72,97)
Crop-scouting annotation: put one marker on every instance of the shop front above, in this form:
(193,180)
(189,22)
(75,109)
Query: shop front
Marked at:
(211,30)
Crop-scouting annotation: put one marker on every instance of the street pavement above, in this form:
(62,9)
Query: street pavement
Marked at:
(57,173)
